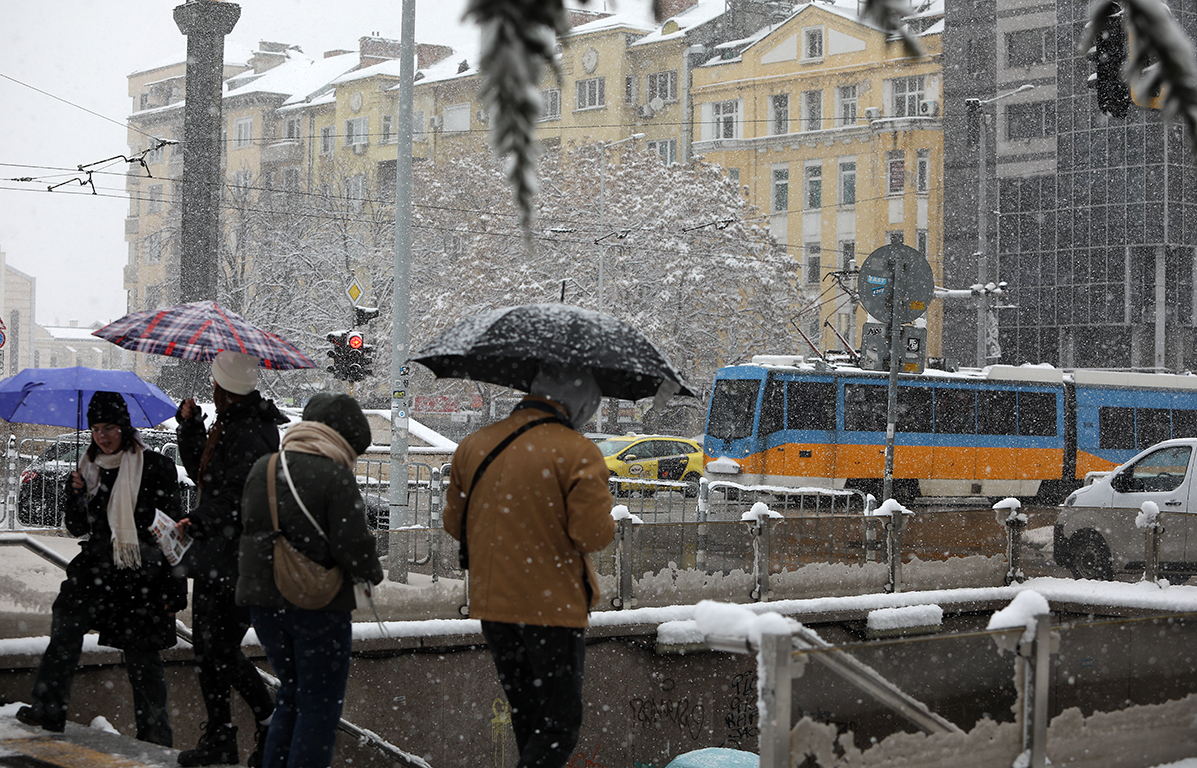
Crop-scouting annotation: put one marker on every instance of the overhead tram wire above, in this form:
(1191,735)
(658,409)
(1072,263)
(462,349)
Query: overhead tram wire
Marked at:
(125,124)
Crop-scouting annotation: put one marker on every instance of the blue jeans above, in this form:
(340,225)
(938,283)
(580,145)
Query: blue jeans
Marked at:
(309,651)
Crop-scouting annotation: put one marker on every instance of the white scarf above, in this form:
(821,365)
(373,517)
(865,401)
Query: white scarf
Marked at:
(122,498)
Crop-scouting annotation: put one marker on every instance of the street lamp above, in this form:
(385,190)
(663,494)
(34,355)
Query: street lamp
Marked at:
(608,406)
(983,303)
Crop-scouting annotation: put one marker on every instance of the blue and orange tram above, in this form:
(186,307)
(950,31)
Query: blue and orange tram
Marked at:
(1033,432)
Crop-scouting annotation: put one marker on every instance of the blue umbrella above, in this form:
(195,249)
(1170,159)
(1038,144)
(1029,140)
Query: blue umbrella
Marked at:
(60,396)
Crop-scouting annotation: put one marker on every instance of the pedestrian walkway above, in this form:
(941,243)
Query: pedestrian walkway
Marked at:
(79,746)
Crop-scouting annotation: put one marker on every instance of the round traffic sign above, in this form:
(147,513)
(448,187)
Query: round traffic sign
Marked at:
(902,272)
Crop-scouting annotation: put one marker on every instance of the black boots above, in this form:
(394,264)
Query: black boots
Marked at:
(36,717)
(218,746)
(255,757)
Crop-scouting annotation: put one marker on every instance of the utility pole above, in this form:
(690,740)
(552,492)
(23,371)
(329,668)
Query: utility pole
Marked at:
(401,396)
(982,255)
(205,23)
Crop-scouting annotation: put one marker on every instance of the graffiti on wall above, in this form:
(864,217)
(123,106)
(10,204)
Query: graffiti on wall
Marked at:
(741,717)
(585,761)
(500,728)
(688,716)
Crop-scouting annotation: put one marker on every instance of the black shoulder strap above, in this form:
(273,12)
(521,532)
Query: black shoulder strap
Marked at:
(463,557)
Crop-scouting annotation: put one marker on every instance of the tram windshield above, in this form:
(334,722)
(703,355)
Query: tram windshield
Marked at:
(733,406)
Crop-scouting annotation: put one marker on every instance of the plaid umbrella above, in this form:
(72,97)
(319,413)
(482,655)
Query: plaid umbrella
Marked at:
(199,331)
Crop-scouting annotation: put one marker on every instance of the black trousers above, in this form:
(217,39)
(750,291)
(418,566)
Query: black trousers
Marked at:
(540,669)
(219,627)
(72,615)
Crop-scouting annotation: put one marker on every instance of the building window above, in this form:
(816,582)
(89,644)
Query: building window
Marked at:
(922,171)
(550,104)
(153,296)
(143,101)
(814,265)
(355,191)
(154,199)
(592,93)
(326,140)
(847,182)
(629,89)
(812,43)
(663,86)
(457,118)
(812,105)
(666,149)
(733,175)
(846,111)
(897,237)
(388,129)
(921,241)
(243,132)
(812,183)
(291,179)
(419,127)
(726,115)
(908,96)
(780,198)
(357,131)
(293,128)
(895,171)
(779,113)
(1026,47)
(1031,120)
(152,248)
(848,252)
(154,153)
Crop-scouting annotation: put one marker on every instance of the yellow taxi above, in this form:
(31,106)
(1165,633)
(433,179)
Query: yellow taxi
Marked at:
(653,457)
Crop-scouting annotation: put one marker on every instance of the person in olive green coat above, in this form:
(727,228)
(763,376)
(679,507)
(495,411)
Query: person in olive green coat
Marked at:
(308,649)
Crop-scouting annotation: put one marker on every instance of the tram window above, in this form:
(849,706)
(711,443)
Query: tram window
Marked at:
(865,408)
(914,409)
(1116,427)
(995,412)
(1037,414)
(812,405)
(1184,423)
(733,406)
(1155,424)
(773,407)
(955,411)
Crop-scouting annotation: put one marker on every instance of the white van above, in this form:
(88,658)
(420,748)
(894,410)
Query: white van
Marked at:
(1095,533)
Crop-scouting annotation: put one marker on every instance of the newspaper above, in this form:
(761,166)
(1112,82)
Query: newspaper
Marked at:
(174,542)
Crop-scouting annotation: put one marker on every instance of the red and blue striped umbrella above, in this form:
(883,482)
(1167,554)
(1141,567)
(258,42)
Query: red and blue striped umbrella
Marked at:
(199,331)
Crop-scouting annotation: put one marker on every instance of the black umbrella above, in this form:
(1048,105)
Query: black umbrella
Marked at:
(508,345)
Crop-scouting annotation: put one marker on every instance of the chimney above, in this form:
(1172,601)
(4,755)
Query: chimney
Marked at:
(577,17)
(376,50)
(428,54)
(671,8)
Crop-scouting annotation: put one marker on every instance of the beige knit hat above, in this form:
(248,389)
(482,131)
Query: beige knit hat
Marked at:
(235,373)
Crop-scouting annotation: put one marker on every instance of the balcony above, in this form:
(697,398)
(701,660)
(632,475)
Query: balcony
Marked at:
(283,151)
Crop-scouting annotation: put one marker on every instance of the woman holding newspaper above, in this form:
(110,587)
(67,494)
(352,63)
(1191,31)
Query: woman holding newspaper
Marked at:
(120,583)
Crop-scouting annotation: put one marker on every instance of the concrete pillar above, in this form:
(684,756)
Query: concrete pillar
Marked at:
(205,23)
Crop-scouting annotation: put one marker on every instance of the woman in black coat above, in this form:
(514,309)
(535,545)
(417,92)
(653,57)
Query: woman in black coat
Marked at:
(120,582)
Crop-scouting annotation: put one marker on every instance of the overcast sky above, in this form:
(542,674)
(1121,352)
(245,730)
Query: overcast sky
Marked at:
(77,54)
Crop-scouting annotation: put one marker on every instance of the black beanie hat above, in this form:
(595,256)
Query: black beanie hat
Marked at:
(108,408)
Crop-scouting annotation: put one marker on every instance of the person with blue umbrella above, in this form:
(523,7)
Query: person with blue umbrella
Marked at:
(120,583)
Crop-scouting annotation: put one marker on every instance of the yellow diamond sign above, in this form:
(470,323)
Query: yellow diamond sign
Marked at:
(354,291)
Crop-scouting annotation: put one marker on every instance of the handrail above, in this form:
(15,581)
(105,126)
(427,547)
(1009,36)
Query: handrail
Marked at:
(183,631)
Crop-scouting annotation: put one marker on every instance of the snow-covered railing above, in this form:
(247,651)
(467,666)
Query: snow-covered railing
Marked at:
(783,646)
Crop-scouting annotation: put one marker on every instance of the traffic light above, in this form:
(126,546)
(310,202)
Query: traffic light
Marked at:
(355,356)
(363,315)
(1109,54)
(338,354)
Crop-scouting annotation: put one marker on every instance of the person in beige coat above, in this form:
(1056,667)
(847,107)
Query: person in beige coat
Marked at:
(533,515)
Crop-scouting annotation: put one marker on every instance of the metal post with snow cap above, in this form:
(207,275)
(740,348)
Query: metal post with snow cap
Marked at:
(1010,516)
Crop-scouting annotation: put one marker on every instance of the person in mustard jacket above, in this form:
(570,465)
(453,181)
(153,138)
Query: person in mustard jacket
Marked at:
(539,508)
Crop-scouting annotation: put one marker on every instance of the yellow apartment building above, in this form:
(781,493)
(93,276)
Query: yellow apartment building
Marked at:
(835,130)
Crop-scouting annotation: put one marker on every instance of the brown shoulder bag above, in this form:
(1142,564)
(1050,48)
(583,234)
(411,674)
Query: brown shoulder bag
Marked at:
(300,579)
